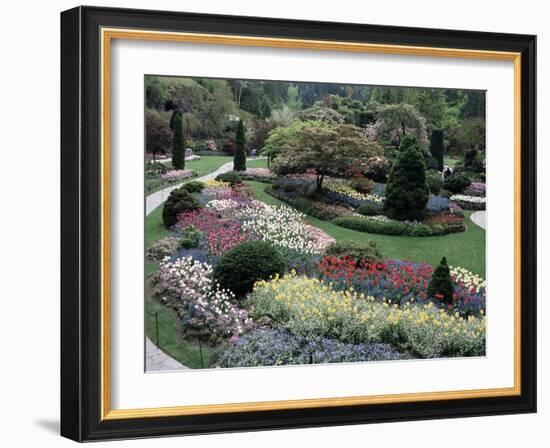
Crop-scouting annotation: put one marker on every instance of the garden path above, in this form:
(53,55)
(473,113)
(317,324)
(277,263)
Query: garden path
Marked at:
(156,360)
(479,218)
(155,199)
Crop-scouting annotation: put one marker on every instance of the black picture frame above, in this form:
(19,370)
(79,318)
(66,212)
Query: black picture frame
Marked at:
(81,224)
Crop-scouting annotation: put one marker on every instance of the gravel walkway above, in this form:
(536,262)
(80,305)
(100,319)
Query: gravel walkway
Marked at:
(479,218)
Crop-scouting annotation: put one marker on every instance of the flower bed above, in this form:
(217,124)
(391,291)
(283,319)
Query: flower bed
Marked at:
(401,282)
(310,307)
(475,189)
(258,174)
(273,347)
(387,226)
(469,202)
(186,285)
(178,174)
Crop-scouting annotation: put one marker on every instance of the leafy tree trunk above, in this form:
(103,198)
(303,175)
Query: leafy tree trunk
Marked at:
(178,144)
(239,159)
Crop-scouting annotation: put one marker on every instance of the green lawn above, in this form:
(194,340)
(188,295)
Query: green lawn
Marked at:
(207,164)
(260,163)
(466,249)
(450,161)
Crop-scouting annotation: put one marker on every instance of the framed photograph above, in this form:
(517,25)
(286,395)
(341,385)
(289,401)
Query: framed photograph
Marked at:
(276,224)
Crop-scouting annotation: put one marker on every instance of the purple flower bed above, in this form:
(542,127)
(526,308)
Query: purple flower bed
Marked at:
(271,347)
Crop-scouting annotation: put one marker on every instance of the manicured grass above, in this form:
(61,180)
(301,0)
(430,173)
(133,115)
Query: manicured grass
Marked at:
(207,164)
(466,249)
(450,161)
(259,163)
(170,338)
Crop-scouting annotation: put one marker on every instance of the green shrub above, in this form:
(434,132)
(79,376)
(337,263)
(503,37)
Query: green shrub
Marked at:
(441,283)
(457,183)
(231,177)
(312,190)
(362,184)
(195,186)
(153,169)
(190,237)
(407,192)
(247,263)
(367,251)
(434,181)
(289,188)
(369,209)
(179,201)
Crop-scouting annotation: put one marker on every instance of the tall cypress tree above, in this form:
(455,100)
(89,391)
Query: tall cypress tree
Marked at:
(178,144)
(441,283)
(407,191)
(437,147)
(173,119)
(239,159)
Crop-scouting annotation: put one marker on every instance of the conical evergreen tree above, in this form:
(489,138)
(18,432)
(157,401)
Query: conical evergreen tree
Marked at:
(441,283)
(239,159)
(406,191)
(178,144)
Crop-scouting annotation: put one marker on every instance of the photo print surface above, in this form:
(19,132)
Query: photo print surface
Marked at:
(293,223)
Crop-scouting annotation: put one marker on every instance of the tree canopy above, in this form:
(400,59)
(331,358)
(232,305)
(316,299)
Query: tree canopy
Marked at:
(327,149)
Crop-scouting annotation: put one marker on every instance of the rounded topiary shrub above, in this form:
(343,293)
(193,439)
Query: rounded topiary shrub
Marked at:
(179,201)
(457,183)
(195,186)
(247,263)
(230,177)
(367,251)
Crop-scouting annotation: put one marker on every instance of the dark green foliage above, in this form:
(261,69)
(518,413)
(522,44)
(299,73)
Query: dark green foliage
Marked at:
(155,169)
(369,209)
(178,144)
(175,113)
(441,283)
(179,201)
(312,191)
(190,237)
(437,147)
(457,182)
(195,186)
(368,251)
(239,159)
(434,181)
(230,177)
(407,191)
(247,263)
(473,161)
